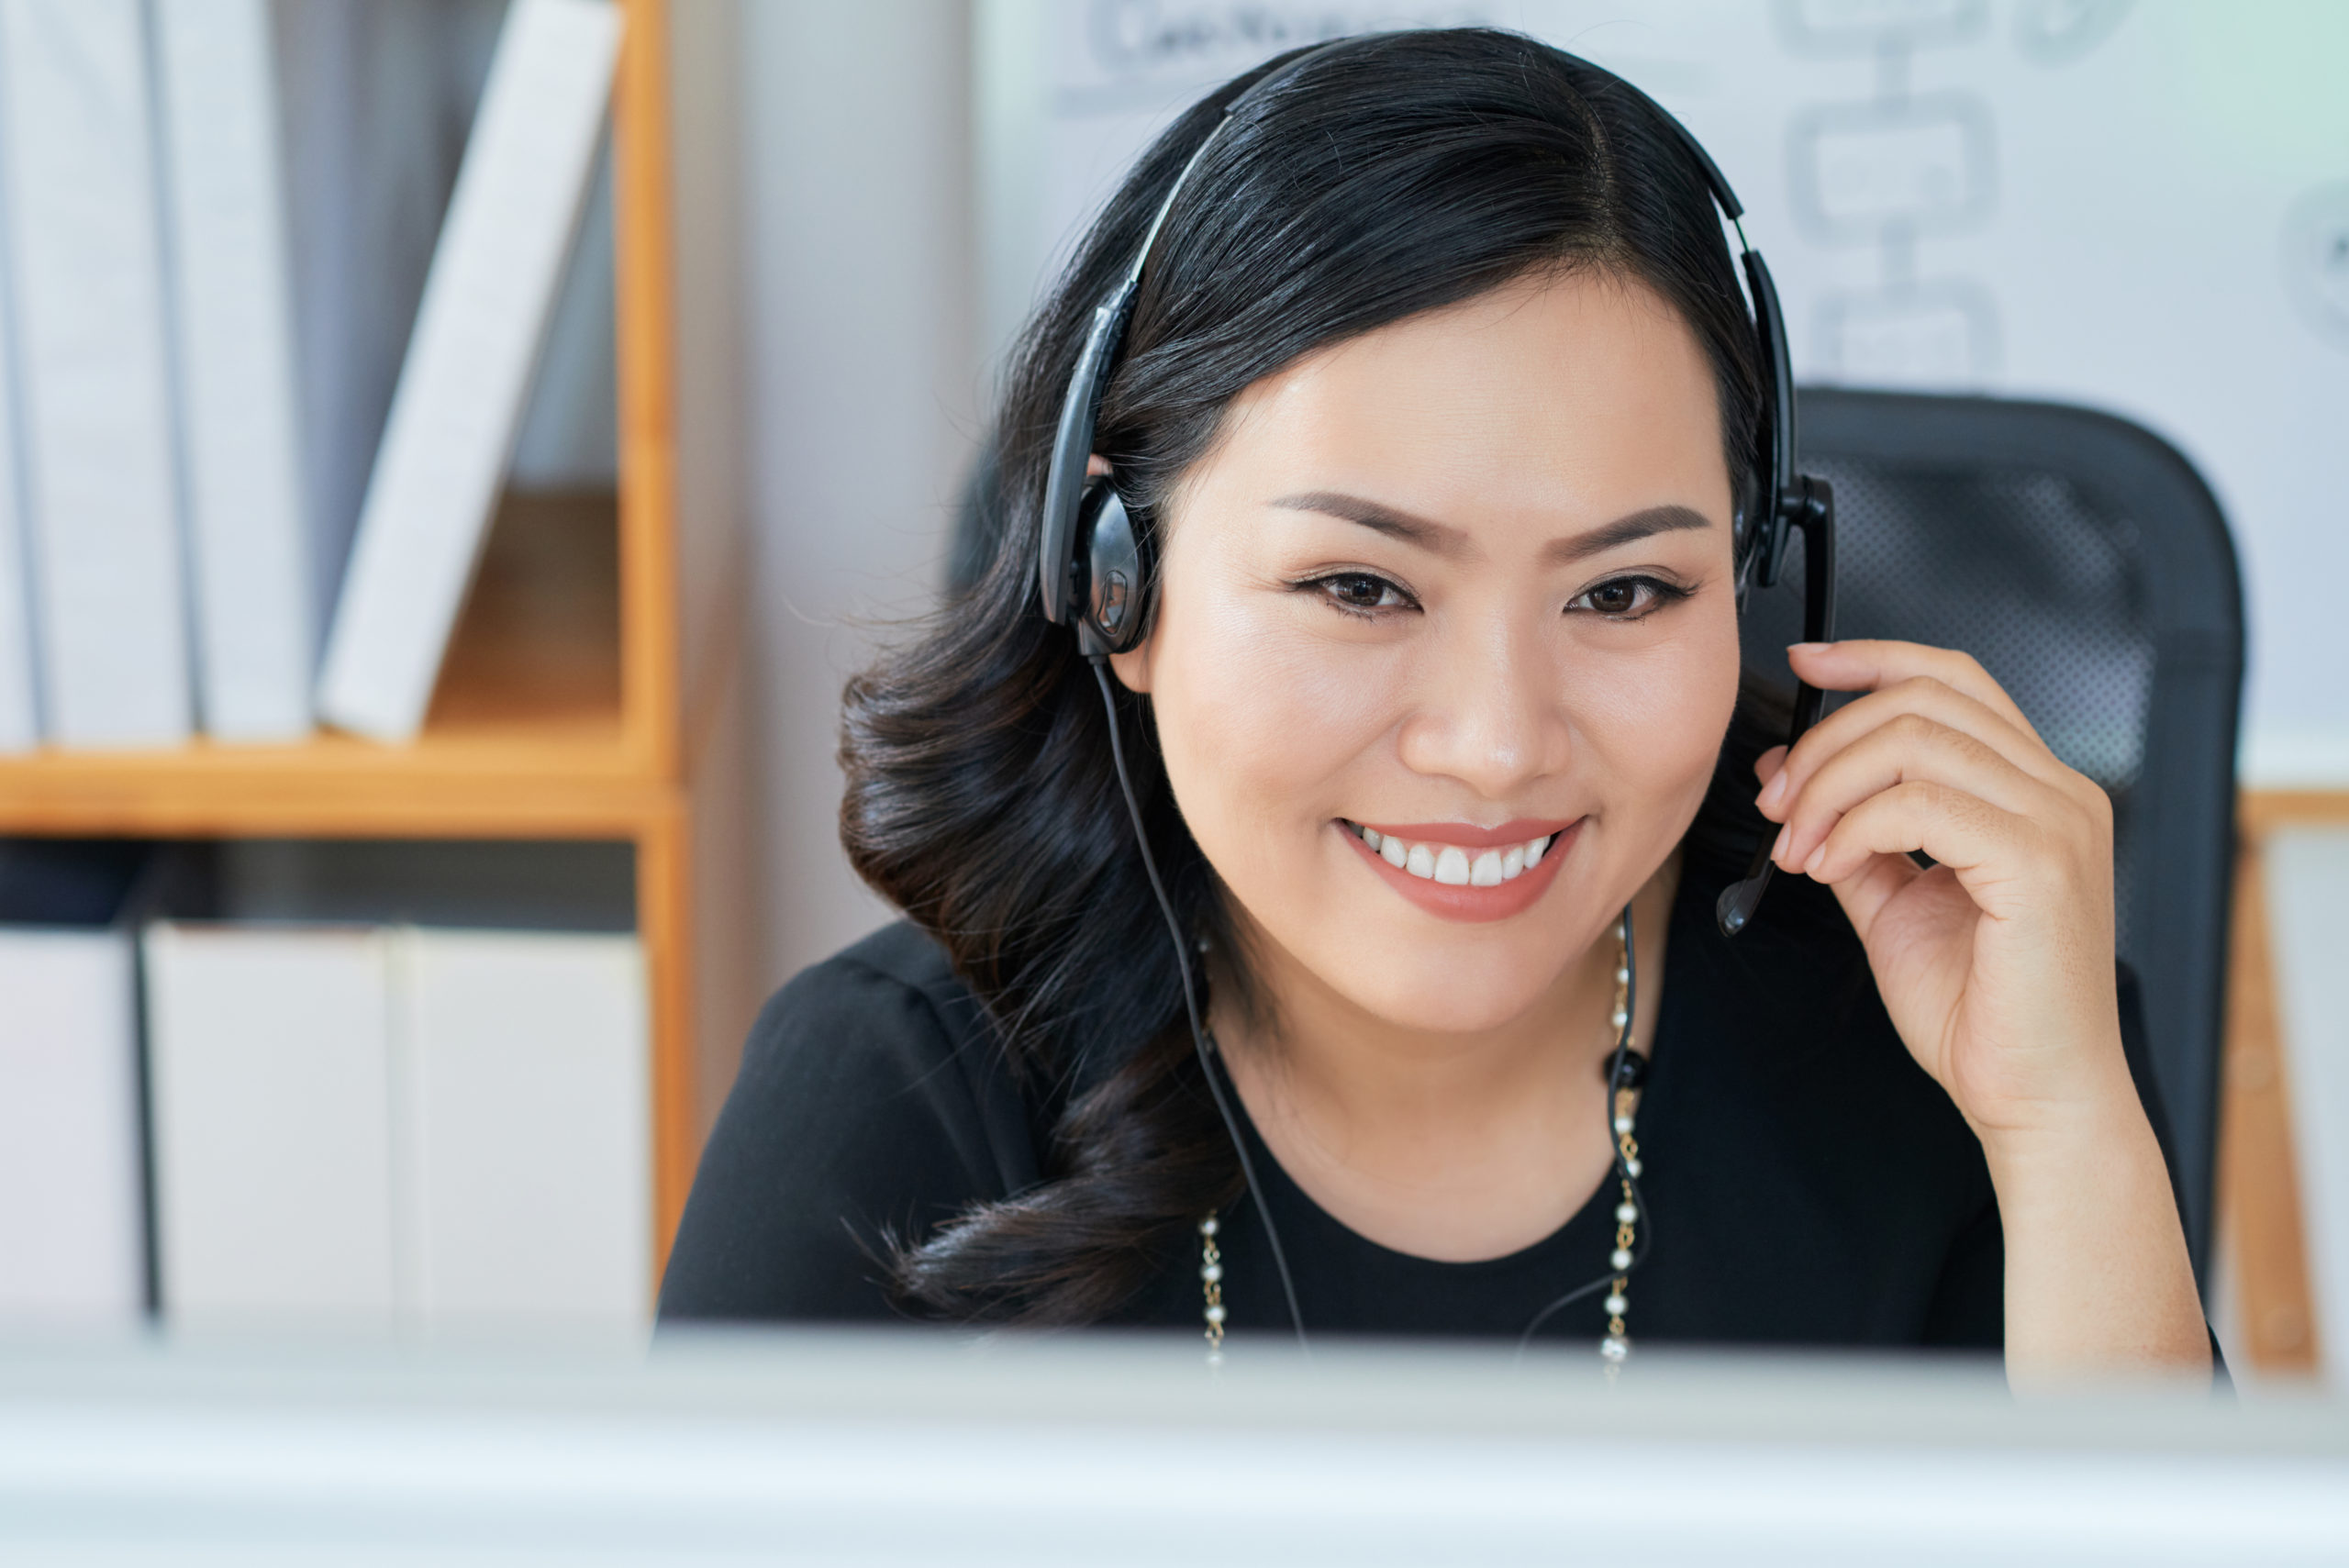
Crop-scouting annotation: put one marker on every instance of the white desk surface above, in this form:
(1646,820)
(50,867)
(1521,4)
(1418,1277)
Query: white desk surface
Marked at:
(918,1447)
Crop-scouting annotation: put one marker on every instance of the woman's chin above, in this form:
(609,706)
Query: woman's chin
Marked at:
(1443,993)
(1410,972)
(1420,1019)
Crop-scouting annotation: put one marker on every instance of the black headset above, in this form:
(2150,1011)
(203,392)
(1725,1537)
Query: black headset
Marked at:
(1095,566)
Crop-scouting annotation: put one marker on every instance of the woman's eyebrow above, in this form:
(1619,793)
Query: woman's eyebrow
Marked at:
(1425,532)
(1627,529)
(1445,540)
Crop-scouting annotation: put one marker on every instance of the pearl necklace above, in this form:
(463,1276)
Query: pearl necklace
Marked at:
(1624,1087)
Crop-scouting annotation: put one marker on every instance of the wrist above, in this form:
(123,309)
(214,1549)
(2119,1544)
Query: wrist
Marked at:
(2093,1137)
(2096,1274)
(2076,1097)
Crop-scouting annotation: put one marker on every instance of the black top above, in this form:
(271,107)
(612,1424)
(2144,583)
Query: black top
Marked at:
(1806,1181)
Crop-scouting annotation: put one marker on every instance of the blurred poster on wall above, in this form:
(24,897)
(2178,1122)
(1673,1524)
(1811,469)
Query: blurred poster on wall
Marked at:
(2140,207)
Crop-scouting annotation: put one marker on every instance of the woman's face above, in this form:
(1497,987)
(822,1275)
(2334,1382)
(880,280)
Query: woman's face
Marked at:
(1464,581)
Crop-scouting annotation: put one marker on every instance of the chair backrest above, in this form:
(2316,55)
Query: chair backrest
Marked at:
(2083,561)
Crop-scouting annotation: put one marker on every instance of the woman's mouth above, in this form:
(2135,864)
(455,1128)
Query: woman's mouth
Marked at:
(1463,872)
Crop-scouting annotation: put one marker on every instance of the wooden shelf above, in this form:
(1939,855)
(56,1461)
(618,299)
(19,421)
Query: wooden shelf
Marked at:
(537,647)
(2260,1202)
(527,737)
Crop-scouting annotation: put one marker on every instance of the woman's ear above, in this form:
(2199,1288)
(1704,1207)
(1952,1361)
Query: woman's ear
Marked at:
(1133,667)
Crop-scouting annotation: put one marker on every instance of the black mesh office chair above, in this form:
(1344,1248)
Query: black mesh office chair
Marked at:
(2085,564)
(2082,560)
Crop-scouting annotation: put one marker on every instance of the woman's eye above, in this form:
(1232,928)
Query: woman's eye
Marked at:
(1626,598)
(1361,590)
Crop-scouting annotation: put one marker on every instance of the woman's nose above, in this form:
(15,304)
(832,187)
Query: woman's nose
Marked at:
(1488,713)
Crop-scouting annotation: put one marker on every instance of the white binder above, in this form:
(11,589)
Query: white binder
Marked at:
(85,268)
(19,705)
(526,1128)
(256,621)
(467,374)
(270,1072)
(72,1221)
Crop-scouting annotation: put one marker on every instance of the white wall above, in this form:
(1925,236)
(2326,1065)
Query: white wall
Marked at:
(862,390)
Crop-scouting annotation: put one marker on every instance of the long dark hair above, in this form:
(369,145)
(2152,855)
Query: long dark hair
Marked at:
(1399,174)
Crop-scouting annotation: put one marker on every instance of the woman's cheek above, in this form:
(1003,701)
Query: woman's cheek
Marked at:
(1658,725)
(1260,723)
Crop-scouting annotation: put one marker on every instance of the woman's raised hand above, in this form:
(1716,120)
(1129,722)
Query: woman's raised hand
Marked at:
(1996,964)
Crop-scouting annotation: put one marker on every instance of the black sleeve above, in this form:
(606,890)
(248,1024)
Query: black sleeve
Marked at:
(856,1116)
(1969,1305)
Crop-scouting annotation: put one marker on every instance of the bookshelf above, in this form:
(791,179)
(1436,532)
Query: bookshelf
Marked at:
(563,709)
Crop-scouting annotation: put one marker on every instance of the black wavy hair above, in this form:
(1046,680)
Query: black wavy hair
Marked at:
(1400,172)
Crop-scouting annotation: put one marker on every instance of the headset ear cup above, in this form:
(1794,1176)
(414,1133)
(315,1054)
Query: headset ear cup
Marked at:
(1114,591)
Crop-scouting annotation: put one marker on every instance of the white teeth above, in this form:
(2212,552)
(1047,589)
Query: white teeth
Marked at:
(1453,865)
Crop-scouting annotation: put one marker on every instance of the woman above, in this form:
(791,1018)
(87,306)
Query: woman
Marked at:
(1438,402)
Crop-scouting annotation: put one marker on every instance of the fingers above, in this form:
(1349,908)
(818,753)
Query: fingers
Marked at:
(1864,664)
(1879,879)
(1935,758)
(1992,855)
(1956,828)
(1924,696)
(1906,748)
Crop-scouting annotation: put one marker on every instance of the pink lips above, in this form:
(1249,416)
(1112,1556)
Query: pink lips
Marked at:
(1471,904)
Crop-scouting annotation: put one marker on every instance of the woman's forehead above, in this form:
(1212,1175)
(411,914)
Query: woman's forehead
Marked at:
(1579,393)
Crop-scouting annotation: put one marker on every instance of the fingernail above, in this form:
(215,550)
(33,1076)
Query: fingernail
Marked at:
(1807,647)
(1771,791)
(1810,866)
(1779,849)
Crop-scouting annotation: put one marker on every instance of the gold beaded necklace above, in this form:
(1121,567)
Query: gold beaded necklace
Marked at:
(1625,1074)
